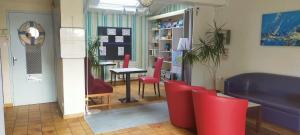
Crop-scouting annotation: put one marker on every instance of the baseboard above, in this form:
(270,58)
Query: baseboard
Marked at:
(8,105)
(70,116)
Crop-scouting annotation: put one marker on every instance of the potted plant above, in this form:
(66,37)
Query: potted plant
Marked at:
(209,50)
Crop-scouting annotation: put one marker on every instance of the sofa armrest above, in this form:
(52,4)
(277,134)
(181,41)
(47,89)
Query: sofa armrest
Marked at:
(237,86)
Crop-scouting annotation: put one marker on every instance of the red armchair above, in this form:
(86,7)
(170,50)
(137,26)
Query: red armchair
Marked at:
(180,103)
(218,115)
(155,79)
(96,87)
(125,65)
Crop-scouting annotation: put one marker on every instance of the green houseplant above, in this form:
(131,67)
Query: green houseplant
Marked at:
(209,50)
(92,50)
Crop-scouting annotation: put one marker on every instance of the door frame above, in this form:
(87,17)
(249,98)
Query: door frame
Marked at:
(11,79)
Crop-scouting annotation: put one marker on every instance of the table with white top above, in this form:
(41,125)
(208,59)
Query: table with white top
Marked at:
(102,65)
(127,72)
(250,105)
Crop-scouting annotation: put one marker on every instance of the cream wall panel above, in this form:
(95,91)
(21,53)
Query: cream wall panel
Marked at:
(200,75)
(72,13)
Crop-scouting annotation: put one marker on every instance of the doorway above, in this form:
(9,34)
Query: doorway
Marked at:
(32,58)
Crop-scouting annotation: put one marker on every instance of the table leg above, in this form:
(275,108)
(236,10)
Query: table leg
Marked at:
(128,99)
(258,119)
(102,72)
(127,87)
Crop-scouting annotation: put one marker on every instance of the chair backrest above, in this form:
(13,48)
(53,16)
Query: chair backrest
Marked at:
(158,66)
(203,90)
(180,104)
(89,79)
(219,115)
(126,61)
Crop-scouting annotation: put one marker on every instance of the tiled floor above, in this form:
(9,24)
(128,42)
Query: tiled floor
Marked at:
(45,119)
(42,119)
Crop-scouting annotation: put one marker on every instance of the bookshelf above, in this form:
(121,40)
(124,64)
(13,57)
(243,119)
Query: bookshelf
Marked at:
(164,34)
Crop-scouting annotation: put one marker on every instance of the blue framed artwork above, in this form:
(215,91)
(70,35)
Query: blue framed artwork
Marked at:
(281,29)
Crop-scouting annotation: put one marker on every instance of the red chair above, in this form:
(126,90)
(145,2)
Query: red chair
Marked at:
(125,65)
(155,79)
(96,87)
(219,115)
(180,103)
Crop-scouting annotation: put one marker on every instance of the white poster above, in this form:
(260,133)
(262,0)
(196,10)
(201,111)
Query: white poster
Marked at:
(119,39)
(126,32)
(104,39)
(102,51)
(120,51)
(111,32)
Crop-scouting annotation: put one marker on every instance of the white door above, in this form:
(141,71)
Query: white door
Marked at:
(32,60)
(2,125)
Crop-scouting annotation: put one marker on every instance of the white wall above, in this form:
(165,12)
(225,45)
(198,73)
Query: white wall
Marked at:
(2,125)
(73,83)
(243,18)
(200,75)
(73,86)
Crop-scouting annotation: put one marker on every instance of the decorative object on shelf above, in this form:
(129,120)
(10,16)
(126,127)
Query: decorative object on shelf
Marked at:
(183,44)
(180,23)
(226,36)
(209,51)
(281,29)
(167,46)
(31,34)
(146,3)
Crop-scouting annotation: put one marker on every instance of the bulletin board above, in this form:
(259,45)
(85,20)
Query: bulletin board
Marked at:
(117,42)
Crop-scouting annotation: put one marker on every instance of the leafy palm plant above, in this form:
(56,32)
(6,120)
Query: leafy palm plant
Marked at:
(209,51)
(93,48)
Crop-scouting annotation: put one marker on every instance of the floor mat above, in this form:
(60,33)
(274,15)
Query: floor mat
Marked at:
(117,119)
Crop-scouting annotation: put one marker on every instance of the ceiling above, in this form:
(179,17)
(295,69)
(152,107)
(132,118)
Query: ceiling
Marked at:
(159,4)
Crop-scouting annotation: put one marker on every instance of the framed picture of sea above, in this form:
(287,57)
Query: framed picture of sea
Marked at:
(281,29)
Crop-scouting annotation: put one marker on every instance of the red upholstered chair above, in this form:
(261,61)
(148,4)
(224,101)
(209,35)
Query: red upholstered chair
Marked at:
(219,115)
(180,103)
(125,65)
(155,79)
(126,61)
(96,87)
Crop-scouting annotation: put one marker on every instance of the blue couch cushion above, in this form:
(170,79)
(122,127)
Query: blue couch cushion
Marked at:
(290,104)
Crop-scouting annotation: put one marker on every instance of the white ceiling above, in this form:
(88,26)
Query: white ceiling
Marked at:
(159,4)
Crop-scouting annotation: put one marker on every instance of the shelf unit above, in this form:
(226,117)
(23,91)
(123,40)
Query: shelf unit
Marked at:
(163,40)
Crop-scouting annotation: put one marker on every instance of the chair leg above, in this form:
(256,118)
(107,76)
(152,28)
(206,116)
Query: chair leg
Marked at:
(139,86)
(111,76)
(154,88)
(115,76)
(124,78)
(143,90)
(158,89)
(109,102)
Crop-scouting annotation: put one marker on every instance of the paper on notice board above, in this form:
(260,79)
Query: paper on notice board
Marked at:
(120,51)
(102,51)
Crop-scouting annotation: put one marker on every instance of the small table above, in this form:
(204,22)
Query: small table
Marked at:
(127,72)
(250,105)
(102,65)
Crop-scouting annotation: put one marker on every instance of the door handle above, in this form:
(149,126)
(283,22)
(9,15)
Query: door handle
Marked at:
(14,59)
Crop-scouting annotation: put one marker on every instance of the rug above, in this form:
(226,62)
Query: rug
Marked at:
(112,120)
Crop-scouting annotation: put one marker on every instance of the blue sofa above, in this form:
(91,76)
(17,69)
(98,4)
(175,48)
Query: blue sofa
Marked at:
(279,96)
